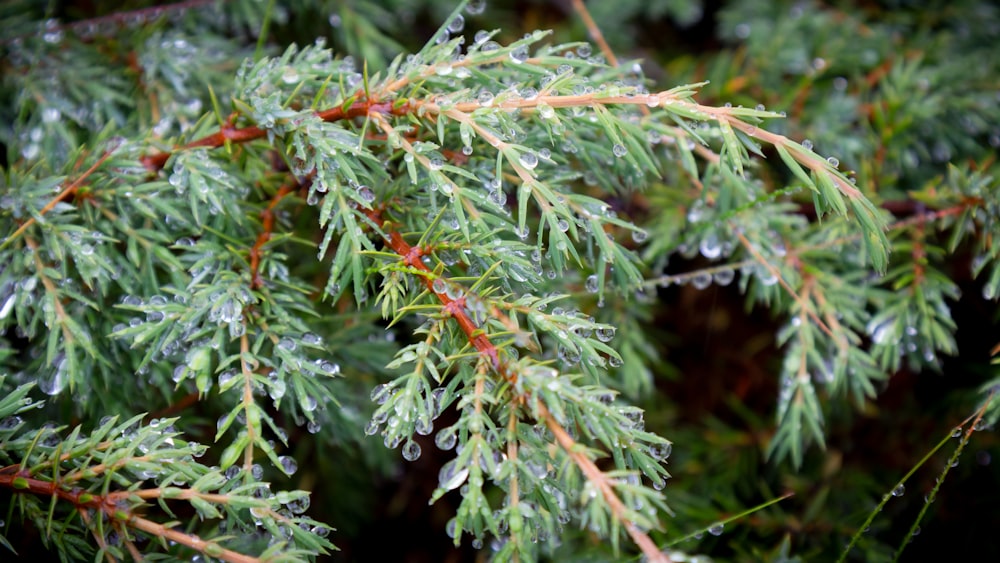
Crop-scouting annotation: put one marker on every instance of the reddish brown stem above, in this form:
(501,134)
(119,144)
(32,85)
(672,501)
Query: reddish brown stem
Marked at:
(67,191)
(412,257)
(78,497)
(229,133)
(267,227)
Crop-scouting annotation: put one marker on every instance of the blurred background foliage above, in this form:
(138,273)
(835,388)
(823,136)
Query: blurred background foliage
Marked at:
(896,90)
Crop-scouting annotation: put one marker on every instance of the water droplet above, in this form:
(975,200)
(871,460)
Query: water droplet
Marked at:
(288,464)
(696,212)
(485,98)
(639,236)
(446,439)
(55,382)
(807,144)
(451,528)
(299,505)
(605,334)
(529,160)
(313,427)
(309,404)
(716,529)
(287,344)
(619,150)
(439,286)
(833,161)
(457,24)
(51,115)
(899,490)
(225,378)
(53,34)
(8,306)
(475,7)
(366,194)
(989,292)
(411,451)
(701,280)
(380,394)
(661,452)
(883,332)
(450,478)
(591,284)
(10,422)
(519,55)
(766,277)
(710,247)
(724,277)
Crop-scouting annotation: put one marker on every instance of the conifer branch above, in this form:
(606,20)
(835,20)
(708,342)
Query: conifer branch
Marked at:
(229,133)
(599,480)
(474,195)
(456,309)
(108,505)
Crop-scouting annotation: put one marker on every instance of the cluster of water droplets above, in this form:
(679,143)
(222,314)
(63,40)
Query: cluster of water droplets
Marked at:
(265,85)
(399,415)
(903,336)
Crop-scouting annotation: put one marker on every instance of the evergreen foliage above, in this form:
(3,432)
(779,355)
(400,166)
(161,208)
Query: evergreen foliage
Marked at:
(232,252)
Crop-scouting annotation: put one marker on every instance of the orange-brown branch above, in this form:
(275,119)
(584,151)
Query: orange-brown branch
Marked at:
(232,134)
(411,256)
(267,227)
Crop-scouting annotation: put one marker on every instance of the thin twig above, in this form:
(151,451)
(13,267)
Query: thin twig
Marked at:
(227,132)
(774,271)
(67,191)
(595,32)
(194,542)
(600,480)
(267,228)
(248,402)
